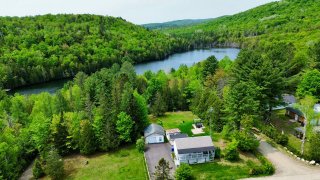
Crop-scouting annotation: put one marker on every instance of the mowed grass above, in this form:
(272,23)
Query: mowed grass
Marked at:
(126,163)
(216,170)
(182,120)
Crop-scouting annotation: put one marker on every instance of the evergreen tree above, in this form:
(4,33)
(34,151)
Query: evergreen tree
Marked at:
(54,165)
(158,107)
(162,170)
(209,66)
(60,136)
(87,142)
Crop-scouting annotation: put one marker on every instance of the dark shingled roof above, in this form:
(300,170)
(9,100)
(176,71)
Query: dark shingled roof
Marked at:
(194,144)
(153,129)
(297,111)
(177,136)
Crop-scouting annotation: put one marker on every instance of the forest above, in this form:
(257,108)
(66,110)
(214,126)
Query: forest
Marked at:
(110,108)
(290,21)
(43,48)
(107,104)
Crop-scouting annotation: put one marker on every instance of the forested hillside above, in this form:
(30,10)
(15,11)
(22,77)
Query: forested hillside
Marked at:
(173,24)
(42,48)
(291,21)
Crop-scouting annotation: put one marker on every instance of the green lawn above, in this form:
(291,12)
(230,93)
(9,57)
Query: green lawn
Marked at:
(126,163)
(182,120)
(219,171)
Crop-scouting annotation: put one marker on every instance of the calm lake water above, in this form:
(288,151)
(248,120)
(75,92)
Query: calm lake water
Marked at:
(188,58)
(174,61)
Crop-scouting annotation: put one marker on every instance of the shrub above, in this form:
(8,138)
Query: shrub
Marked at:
(247,142)
(266,167)
(282,139)
(37,170)
(217,153)
(278,137)
(227,132)
(54,165)
(140,145)
(231,152)
(314,152)
(183,172)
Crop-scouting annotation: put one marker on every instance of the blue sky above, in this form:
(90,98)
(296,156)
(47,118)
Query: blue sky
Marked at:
(136,11)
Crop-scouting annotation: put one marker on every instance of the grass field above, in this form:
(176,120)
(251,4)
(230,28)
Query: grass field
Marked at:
(218,171)
(126,163)
(182,120)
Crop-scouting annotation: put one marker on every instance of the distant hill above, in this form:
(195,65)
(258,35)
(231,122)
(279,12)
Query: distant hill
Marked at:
(291,21)
(177,23)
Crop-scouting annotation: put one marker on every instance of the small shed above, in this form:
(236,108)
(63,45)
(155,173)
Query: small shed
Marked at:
(295,114)
(170,132)
(154,133)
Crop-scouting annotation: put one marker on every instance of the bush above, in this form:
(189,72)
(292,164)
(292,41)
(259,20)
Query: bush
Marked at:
(247,142)
(231,152)
(37,170)
(277,136)
(265,169)
(227,132)
(140,145)
(314,152)
(54,165)
(217,153)
(282,139)
(183,172)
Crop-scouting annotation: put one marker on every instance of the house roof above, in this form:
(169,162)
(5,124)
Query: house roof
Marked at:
(194,144)
(177,136)
(172,131)
(153,129)
(289,99)
(316,108)
(297,111)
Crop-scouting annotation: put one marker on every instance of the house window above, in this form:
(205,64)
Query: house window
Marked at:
(160,139)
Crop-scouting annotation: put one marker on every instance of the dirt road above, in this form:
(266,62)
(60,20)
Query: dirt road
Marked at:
(287,167)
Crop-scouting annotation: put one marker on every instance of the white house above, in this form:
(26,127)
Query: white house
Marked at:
(154,133)
(193,150)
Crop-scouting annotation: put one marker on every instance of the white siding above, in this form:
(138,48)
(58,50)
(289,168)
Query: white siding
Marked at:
(155,138)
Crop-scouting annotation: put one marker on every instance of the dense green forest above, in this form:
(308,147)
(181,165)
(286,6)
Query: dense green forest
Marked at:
(110,108)
(41,48)
(291,21)
(101,111)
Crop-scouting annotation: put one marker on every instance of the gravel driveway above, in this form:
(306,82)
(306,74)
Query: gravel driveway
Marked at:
(287,167)
(154,153)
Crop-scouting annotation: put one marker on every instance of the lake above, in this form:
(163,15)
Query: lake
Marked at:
(174,61)
(188,58)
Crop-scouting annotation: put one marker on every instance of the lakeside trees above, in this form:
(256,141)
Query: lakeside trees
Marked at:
(42,48)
